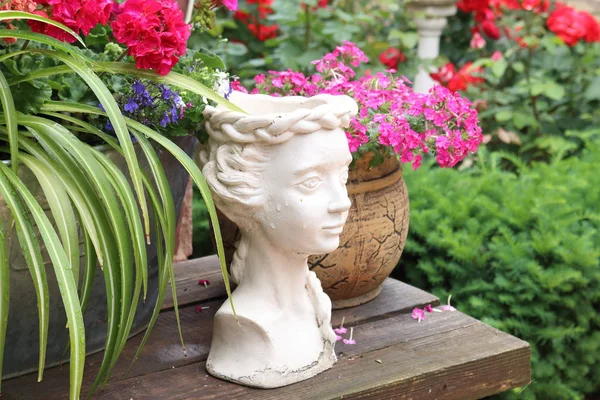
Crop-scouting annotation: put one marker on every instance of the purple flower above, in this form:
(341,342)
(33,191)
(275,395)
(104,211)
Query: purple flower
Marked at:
(131,106)
(166,120)
(166,92)
(138,87)
(108,126)
(100,106)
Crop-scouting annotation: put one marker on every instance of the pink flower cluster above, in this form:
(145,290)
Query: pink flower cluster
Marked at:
(391,117)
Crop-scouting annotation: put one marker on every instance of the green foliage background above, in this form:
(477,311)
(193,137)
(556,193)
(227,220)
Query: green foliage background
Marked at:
(521,252)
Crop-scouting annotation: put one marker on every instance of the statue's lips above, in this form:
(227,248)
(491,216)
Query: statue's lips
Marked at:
(334,229)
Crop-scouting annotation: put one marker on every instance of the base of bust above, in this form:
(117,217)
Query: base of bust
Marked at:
(268,377)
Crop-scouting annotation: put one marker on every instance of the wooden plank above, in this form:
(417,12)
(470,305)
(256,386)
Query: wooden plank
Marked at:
(187,275)
(164,352)
(470,361)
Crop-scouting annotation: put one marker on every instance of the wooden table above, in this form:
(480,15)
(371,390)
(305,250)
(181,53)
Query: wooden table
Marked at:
(448,356)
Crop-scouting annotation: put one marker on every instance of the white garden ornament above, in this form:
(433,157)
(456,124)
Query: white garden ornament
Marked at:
(278,172)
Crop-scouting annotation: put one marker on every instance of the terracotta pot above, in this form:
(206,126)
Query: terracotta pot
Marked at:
(373,238)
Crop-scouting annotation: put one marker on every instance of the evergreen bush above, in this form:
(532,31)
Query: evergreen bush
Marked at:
(521,252)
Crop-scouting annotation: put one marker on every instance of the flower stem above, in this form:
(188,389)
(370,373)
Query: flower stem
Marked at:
(306,27)
(123,54)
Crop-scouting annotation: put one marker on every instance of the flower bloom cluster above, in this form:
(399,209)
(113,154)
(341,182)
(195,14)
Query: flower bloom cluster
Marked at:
(260,31)
(570,25)
(391,116)
(152,104)
(573,26)
(455,80)
(392,57)
(79,15)
(153,31)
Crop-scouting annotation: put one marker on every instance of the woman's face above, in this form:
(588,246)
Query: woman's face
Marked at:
(307,202)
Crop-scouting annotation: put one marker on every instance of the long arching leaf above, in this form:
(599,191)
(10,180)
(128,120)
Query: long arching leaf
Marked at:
(64,278)
(117,120)
(9,15)
(61,209)
(10,116)
(83,194)
(33,257)
(50,131)
(44,39)
(4,295)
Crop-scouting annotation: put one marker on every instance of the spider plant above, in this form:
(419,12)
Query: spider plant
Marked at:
(84,187)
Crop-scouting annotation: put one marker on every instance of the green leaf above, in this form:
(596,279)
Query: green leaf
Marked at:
(84,196)
(4,295)
(10,116)
(64,278)
(499,67)
(33,257)
(61,209)
(97,175)
(9,15)
(120,127)
(593,90)
(554,91)
(210,60)
(45,39)
(504,115)
(518,66)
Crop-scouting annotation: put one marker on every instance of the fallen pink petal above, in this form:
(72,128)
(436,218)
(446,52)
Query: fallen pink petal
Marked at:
(448,307)
(204,282)
(338,338)
(428,308)
(200,309)
(418,314)
(341,330)
(350,340)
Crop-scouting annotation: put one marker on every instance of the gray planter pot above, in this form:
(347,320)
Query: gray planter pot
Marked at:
(22,340)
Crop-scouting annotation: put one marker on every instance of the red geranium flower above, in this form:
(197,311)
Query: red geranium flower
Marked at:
(391,57)
(153,31)
(572,25)
(460,80)
(473,5)
(79,15)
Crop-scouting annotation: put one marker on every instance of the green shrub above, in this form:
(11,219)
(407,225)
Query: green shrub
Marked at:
(521,252)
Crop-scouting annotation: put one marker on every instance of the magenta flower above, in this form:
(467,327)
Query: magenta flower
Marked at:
(428,308)
(418,314)
(350,340)
(341,330)
(448,307)
(204,282)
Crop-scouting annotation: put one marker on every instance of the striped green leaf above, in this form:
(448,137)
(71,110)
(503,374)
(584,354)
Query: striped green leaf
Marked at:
(4,295)
(61,209)
(10,116)
(64,277)
(9,15)
(33,258)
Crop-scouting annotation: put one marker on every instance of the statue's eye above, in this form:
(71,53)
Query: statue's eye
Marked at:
(311,183)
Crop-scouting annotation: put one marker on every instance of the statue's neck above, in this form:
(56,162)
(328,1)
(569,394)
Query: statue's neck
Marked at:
(276,275)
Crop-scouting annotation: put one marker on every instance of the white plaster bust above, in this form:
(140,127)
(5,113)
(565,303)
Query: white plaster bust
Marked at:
(279,173)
